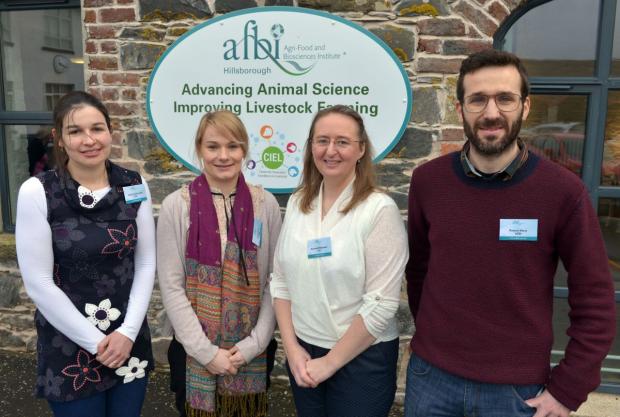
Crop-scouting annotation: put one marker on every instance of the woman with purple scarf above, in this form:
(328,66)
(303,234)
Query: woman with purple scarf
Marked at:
(216,238)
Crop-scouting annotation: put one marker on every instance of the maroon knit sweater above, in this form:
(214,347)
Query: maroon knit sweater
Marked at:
(483,307)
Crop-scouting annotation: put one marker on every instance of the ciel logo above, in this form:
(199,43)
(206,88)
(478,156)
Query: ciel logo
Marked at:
(252,47)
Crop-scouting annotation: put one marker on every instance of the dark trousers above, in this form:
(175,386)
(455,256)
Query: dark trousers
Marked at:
(177,360)
(365,387)
(122,400)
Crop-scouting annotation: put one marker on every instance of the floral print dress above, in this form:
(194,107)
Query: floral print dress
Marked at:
(94,265)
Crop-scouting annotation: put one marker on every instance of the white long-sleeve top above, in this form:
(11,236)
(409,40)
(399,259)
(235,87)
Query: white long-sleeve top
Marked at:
(362,276)
(33,241)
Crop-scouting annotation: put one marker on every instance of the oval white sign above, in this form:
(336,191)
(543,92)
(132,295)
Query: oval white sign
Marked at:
(276,67)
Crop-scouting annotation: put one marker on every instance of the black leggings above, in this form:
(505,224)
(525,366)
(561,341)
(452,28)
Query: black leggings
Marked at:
(177,360)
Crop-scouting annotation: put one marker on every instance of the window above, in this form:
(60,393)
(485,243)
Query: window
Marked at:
(58,30)
(39,65)
(53,93)
(6,28)
(9,95)
(571,49)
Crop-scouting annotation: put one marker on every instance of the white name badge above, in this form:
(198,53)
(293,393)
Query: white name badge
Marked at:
(518,229)
(320,247)
(257,232)
(134,193)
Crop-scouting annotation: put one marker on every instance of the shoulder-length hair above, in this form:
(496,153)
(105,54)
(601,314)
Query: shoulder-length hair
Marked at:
(365,182)
(225,122)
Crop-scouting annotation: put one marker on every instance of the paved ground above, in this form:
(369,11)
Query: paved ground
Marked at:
(17,381)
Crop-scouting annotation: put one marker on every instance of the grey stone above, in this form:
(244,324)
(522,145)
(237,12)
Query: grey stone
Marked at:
(224,6)
(139,56)
(400,40)
(422,8)
(9,290)
(464,47)
(279,3)
(9,339)
(160,350)
(141,143)
(174,9)
(19,321)
(404,318)
(131,123)
(161,187)
(143,33)
(363,6)
(392,175)
(400,199)
(415,143)
(426,107)
(157,322)
(282,199)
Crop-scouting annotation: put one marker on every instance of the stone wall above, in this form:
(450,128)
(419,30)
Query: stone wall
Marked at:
(124,38)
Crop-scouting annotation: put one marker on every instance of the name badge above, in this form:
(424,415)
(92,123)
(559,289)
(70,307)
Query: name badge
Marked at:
(134,193)
(317,248)
(518,229)
(257,232)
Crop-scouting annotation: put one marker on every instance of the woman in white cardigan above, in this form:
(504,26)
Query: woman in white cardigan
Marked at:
(337,276)
(215,244)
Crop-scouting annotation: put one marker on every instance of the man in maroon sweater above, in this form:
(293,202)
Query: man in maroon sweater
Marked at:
(487,226)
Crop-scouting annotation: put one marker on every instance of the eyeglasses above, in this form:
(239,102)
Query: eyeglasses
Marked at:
(505,102)
(339,143)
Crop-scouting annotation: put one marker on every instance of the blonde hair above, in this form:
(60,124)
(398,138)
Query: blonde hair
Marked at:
(225,122)
(365,181)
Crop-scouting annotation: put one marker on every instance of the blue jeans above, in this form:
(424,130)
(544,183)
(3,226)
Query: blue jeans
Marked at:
(364,387)
(431,392)
(122,400)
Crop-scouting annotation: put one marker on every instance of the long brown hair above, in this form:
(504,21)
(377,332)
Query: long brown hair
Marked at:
(67,104)
(365,182)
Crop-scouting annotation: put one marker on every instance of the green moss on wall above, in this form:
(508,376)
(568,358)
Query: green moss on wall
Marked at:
(167,16)
(149,34)
(177,31)
(401,54)
(7,248)
(419,9)
(163,160)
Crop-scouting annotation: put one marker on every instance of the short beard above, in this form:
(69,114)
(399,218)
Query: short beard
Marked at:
(498,146)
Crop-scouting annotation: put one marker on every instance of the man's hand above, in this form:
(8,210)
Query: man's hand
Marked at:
(320,369)
(114,350)
(221,364)
(297,358)
(547,406)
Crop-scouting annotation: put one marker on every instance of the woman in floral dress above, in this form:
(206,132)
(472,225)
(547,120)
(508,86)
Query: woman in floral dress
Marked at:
(86,249)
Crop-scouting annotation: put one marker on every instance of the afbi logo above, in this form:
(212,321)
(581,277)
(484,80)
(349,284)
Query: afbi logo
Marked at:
(252,47)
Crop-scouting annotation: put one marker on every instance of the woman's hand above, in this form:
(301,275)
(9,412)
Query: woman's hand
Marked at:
(221,364)
(236,357)
(297,358)
(320,369)
(114,350)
